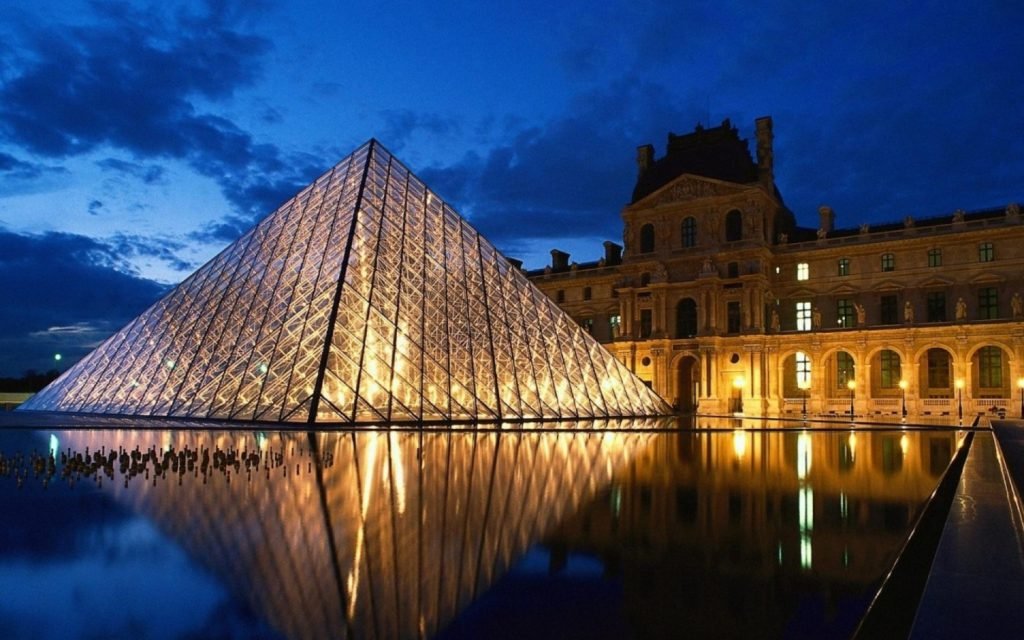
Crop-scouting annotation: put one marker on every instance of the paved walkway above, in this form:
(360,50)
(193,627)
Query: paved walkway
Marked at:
(976,585)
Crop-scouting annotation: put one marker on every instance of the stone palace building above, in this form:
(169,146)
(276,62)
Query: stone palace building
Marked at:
(722,303)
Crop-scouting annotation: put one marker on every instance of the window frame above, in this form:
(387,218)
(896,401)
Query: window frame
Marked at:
(986,252)
(935,257)
(888,262)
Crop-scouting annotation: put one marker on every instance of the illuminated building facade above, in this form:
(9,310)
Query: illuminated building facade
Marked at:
(364,299)
(721,300)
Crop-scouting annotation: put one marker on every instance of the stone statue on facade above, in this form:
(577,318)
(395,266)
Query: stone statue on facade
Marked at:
(861,314)
(815,318)
(708,266)
(783,238)
(822,233)
(961,310)
(865,228)
(1017,306)
(908,222)
(908,312)
(1013,211)
(958,216)
(776,325)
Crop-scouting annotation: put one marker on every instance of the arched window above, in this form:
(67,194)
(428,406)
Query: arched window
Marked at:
(647,238)
(890,370)
(844,369)
(686,318)
(733,226)
(689,232)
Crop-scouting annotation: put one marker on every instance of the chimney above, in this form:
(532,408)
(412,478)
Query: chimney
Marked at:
(559,260)
(828,218)
(765,155)
(612,253)
(644,158)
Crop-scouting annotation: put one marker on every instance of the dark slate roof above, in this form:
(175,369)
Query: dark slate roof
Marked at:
(803,234)
(718,153)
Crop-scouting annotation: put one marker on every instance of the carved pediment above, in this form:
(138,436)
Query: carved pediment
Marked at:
(686,188)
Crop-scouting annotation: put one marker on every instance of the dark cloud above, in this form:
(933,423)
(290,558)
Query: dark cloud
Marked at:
(131,80)
(567,178)
(147,173)
(63,293)
(130,247)
(94,207)
(12,168)
(401,124)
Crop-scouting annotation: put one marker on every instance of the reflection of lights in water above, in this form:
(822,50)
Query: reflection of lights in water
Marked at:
(364,507)
(778,552)
(844,507)
(846,556)
(803,455)
(54,446)
(852,443)
(806,552)
(261,440)
(616,496)
(399,470)
(806,500)
(739,443)
(904,444)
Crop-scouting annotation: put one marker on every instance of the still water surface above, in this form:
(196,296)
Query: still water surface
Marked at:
(524,533)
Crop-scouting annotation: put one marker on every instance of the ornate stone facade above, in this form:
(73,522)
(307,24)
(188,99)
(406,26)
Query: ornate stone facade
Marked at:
(712,308)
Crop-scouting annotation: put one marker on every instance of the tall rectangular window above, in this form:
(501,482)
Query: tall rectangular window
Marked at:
(803,316)
(803,271)
(986,252)
(844,266)
(803,369)
(938,369)
(689,232)
(888,313)
(646,316)
(888,262)
(990,368)
(845,315)
(935,257)
(733,317)
(587,293)
(614,326)
(588,325)
(890,369)
(560,296)
(844,369)
(988,303)
(936,306)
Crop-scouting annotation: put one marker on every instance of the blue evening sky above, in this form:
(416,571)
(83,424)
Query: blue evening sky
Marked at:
(137,139)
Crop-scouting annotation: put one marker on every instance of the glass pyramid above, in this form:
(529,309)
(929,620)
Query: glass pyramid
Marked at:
(363,299)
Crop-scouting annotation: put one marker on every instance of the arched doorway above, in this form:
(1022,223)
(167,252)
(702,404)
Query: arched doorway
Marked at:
(687,384)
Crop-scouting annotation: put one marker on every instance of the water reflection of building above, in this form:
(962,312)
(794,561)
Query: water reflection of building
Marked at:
(720,534)
(392,538)
(720,297)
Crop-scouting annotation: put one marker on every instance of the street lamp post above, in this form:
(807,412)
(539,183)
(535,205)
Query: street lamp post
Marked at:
(1020,385)
(738,382)
(960,399)
(851,385)
(804,385)
(903,392)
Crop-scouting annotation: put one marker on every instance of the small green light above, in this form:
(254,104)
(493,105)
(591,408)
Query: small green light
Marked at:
(57,357)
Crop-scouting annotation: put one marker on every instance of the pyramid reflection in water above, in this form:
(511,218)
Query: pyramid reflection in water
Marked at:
(392,538)
(363,299)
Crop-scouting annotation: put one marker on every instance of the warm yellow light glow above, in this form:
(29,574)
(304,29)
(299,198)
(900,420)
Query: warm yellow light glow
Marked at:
(1020,383)
(739,382)
(852,443)
(959,383)
(803,455)
(739,443)
(851,384)
(804,384)
(904,444)
(903,385)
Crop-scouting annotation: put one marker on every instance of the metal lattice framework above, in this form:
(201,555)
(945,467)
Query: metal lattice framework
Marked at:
(363,299)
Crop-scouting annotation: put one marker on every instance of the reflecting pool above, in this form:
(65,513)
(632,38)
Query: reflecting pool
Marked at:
(608,529)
